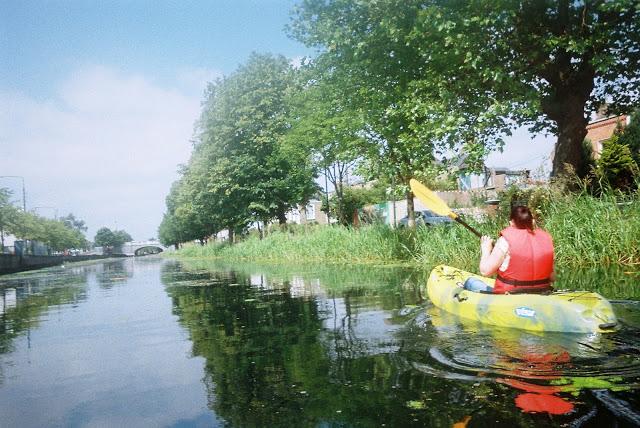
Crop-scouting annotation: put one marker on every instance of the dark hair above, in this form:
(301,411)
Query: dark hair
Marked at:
(522,217)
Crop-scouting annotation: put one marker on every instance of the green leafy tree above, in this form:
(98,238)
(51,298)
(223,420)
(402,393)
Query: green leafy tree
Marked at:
(190,217)
(410,117)
(57,234)
(8,215)
(240,170)
(549,63)
(28,226)
(105,237)
(324,129)
(169,232)
(212,197)
(122,237)
(79,227)
(247,174)
(74,223)
(354,198)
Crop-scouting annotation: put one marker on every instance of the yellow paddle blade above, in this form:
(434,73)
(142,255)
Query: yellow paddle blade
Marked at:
(430,199)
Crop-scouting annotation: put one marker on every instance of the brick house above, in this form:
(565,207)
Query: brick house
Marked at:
(601,129)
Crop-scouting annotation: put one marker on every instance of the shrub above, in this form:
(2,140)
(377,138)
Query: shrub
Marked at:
(630,136)
(615,168)
(353,199)
(538,199)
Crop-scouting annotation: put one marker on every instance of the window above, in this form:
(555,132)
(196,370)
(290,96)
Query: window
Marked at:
(311,211)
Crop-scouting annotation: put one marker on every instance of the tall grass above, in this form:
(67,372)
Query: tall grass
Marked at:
(451,245)
(592,231)
(378,244)
(587,231)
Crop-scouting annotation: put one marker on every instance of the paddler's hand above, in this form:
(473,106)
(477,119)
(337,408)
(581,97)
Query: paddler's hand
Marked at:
(486,244)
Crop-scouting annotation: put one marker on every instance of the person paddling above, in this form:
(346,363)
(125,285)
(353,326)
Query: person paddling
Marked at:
(522,257)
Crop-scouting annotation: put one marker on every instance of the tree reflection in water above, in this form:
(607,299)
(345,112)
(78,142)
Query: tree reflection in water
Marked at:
(25,297)
(356,347)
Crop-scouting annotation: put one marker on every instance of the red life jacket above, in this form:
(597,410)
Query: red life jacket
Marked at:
(530,263)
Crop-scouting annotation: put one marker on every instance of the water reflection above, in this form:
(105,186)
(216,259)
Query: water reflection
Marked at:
(614,282)
(278,355)
(113,272)
(308,346)
(94,344)
(153,342)
(25,297)
(550,370)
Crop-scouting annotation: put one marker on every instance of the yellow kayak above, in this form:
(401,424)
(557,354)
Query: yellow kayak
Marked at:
(564,311)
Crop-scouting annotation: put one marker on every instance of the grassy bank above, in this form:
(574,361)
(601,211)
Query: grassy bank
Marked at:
(374,244)
(587,232)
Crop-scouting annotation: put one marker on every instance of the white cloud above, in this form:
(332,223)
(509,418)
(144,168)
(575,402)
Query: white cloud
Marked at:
(194,79)
(105,147)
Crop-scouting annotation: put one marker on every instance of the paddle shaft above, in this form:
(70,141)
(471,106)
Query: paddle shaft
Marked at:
(464,223)
(436,204)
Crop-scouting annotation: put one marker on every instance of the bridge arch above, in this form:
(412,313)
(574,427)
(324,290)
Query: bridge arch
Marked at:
(146,250)
(141,248)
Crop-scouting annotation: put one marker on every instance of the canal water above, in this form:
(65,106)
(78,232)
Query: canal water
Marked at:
(163,343)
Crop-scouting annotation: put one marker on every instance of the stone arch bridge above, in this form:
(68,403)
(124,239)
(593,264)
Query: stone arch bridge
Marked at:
(142,248)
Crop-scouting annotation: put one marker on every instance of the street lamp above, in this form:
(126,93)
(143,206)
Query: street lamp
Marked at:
(24,198)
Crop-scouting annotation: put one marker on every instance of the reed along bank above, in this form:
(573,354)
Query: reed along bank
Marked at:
(587,232)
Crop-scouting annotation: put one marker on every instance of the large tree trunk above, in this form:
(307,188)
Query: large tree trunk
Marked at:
(259,230)
(571,87)
(343,218)
(569,146)
(411,211)
(566,107)
(231,235)
(282,217)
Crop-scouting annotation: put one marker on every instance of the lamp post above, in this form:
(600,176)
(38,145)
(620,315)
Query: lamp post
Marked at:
(24,198)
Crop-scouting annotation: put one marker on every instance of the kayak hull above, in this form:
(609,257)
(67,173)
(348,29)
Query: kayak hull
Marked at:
(562,311)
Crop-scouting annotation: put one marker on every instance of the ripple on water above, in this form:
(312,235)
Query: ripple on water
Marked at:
(545,369)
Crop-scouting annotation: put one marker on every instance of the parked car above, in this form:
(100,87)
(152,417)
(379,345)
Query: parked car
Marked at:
(426,218)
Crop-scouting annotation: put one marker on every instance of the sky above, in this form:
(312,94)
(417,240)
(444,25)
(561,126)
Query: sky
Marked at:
(98,99)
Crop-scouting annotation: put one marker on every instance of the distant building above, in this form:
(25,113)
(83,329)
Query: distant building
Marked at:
(501,178)
(601,129)
(490,178)
(493,178)
(309,214)
(8,244)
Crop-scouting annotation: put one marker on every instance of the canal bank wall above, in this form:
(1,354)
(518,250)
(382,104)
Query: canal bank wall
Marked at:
(10,263)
